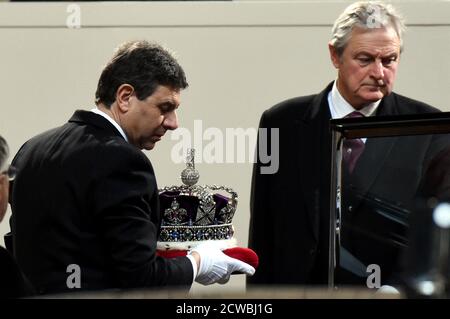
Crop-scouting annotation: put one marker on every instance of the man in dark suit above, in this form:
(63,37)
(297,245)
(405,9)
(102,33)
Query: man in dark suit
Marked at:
(290,209)
(85,208)
(13,284)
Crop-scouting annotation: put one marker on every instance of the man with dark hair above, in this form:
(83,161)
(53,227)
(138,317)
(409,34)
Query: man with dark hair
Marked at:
(85,201)
(13,283)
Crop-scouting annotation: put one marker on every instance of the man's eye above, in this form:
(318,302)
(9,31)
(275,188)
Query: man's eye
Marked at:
(166,108)
(387,62)
(364,60)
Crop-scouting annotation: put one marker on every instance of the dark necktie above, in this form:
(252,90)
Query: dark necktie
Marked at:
(353,148)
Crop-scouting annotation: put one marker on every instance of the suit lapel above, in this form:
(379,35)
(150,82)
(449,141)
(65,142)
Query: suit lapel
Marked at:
(314,156)
(91,118)
(371,163)
(377,152)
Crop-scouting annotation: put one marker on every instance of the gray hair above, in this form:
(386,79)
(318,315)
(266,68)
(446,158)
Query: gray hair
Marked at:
(366,15)
(4,152)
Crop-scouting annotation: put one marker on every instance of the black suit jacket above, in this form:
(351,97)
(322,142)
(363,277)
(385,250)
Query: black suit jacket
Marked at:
(85,196)
(13,284)
(290,209)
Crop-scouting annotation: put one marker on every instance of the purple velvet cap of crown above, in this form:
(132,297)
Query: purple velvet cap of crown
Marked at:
(182,209)
(196,215)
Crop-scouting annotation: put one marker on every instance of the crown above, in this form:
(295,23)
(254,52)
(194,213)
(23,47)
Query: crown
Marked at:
(192,213)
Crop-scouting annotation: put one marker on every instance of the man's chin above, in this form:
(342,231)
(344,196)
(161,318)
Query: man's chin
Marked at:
(371,97)
(149,146)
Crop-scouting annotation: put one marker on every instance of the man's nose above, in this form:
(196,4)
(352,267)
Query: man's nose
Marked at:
(377,70)
(171,121)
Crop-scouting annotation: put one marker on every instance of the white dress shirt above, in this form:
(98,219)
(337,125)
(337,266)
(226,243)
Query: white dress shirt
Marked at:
(340,108)
(111,120)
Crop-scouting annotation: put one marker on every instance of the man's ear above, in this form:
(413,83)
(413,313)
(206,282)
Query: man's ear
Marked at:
(3,195)
(123,96)
(335,58)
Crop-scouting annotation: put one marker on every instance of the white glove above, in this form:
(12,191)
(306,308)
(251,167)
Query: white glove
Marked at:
(388,290)
(215,266)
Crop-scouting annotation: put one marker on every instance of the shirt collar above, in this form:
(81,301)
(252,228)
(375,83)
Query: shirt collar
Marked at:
(111,120)
(340,108)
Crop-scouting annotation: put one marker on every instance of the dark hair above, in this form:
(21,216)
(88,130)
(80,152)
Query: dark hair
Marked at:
(143,65)
(4,151)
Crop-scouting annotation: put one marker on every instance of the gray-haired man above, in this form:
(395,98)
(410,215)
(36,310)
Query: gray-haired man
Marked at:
(290,209)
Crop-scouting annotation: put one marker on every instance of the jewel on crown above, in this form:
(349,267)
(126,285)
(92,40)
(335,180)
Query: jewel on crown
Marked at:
(192,213)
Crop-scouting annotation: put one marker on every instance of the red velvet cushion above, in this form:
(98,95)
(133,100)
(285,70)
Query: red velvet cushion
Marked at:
(247,255)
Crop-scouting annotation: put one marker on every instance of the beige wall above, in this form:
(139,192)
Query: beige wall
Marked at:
(240,59)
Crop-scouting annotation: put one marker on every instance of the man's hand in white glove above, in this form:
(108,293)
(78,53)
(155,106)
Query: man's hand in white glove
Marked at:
(214,266)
